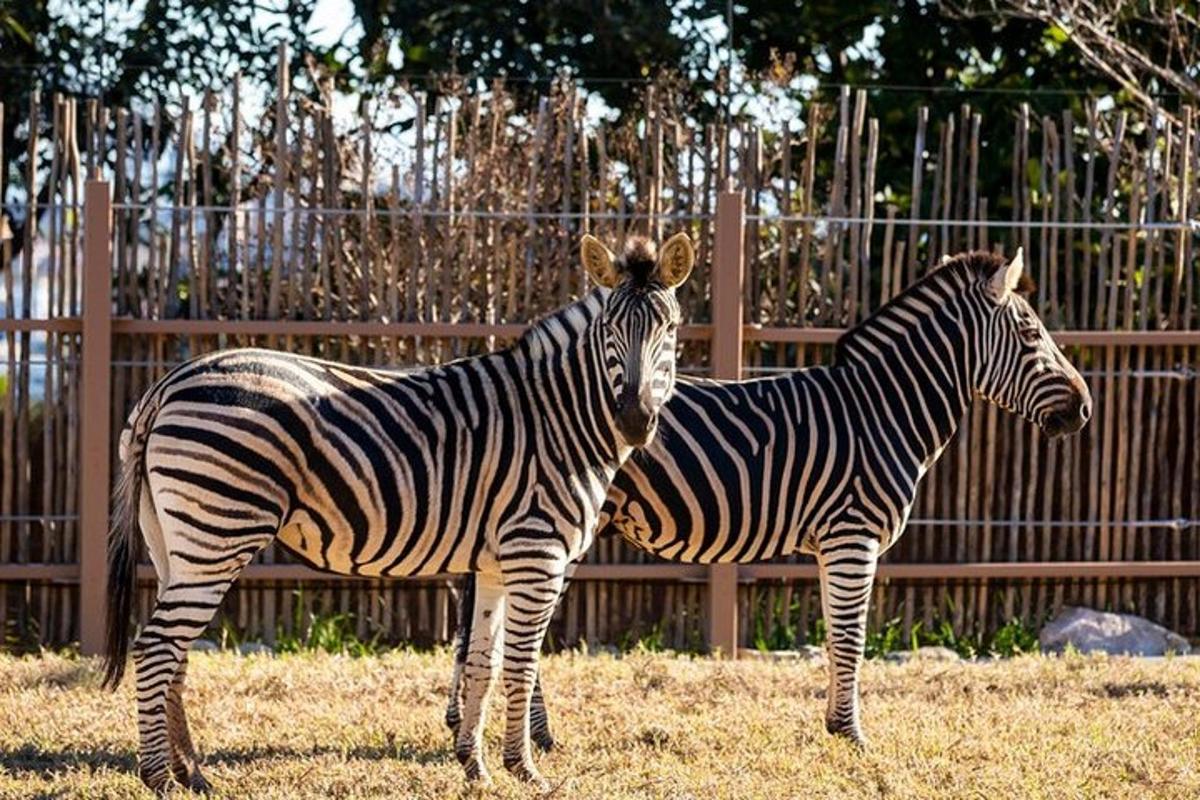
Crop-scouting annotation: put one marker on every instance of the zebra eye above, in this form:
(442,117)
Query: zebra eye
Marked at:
(1030,334)
(672,327)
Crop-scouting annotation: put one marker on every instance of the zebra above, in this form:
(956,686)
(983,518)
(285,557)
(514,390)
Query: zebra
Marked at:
(826,460)
(496,464)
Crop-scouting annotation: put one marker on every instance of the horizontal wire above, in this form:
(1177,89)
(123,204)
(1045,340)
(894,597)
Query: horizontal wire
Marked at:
(249,207)
(1172,524)
(1182,374)
(39,517)
(1138,524)
(416,211)
(1187,225)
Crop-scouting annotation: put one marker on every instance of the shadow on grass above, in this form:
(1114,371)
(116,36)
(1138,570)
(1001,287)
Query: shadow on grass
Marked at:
(1116,691)
(400,751)
(31,759)
(63,675)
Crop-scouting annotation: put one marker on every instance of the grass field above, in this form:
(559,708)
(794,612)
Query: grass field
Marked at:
(644,725)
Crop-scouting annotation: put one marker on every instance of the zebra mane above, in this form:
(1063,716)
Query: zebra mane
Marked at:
(958,272)
(573,319)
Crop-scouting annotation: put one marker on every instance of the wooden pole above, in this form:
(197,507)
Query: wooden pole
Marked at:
(726,358)
(94,412)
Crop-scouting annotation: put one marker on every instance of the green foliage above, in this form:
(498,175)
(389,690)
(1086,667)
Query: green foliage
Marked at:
(1013,638)
(229,638)
(783,634)
(652,641)
(942,634)
(885,640)
(333,633)
(324,633)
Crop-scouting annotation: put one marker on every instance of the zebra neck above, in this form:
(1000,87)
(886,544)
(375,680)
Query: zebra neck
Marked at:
(567,376)
(914,381)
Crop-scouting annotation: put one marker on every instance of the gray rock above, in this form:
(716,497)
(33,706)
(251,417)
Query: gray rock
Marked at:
(255,649)
(1090,631)
(922,654)
(204,646)
(804,652)
(810,651)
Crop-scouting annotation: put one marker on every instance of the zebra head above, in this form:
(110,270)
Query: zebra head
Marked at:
(1021,368)
(638,325)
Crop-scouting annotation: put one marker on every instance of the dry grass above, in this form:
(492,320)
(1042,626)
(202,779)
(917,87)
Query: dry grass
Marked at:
(641,726)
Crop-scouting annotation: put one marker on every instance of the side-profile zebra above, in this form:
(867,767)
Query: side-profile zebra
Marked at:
(495,465)
(826,460)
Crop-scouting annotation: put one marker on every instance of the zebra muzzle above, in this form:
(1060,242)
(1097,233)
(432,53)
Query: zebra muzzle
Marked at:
(636,422)
(1068,418)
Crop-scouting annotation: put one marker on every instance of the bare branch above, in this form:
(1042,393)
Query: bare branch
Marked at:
(1135,44)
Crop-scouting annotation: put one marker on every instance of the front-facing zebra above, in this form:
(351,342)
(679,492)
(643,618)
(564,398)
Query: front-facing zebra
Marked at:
(826,460)
(496,465)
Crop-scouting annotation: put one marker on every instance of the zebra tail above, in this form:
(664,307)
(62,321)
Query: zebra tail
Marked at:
(122,543)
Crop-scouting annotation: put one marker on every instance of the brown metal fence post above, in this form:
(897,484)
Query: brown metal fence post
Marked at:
(726,359)
(94,400)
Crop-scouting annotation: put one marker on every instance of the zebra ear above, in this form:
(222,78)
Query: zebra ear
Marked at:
(1008,276)
(676,259)
(598,261)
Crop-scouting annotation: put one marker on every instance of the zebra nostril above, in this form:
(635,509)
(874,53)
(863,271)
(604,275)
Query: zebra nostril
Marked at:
(1085,411)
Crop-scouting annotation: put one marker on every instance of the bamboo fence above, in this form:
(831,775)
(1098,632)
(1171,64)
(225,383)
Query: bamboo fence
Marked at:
(434,228)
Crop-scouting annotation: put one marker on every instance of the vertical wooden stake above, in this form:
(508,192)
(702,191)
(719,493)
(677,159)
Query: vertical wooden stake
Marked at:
(726,359)
(94,402)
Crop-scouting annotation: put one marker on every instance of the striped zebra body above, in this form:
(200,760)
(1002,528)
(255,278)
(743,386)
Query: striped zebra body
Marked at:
(827,460)
(360,471)
(496,465)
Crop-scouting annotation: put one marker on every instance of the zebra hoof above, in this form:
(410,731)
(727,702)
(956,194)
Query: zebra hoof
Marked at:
(157,780)
(853,734)
(544,741)
(478,776)
(189,777)
(197,784)
(524,771)
(472,762)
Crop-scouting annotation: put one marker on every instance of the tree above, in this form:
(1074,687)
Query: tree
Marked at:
(1145,47)
(613,46)
(100,49)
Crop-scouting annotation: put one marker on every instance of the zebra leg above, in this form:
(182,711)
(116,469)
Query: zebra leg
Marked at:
(847,570)
(181,614)
(185,765)
(532,597)
(539,719)
(478,673)
(539,722)
(462,638)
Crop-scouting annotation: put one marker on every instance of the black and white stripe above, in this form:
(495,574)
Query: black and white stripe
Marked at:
(496,465)
(826,460)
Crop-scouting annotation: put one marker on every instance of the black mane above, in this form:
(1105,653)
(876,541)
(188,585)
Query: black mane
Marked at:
(972,267)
